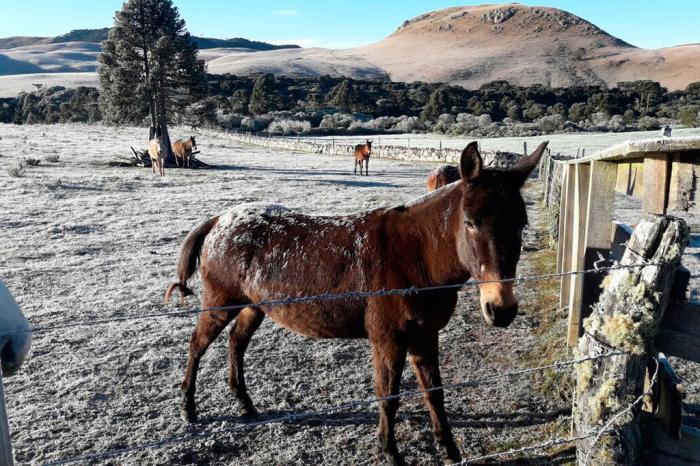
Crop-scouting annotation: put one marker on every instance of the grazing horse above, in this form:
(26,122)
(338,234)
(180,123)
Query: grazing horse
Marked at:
(442,176)
(15,335)
(362,153)
(470,229)
(157,152)
(183,150)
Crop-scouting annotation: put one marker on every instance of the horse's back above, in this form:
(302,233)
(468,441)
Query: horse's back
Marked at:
(270,253)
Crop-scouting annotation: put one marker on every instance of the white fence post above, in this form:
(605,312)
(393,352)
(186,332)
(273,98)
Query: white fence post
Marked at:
(5,445)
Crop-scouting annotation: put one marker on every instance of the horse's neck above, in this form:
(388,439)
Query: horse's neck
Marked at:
(432,222)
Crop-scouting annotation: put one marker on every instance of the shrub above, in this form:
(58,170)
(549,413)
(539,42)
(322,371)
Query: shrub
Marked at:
(52,158)
(616,123)
(337,120)
(688,116)
(408,124)
(444,123)
(289,126)
(647,123)
(15,170)
(550,123)
(31,162)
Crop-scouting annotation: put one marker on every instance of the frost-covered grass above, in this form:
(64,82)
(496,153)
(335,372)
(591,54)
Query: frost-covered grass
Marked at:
(85,241)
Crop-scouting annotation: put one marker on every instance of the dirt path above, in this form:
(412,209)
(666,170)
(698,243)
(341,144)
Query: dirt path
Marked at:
(84,241)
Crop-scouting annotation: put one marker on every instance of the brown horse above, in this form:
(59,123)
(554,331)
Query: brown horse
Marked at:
(362,153)
(442,176)
(183,151)
(467,229)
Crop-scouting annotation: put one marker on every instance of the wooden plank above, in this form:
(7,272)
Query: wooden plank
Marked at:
(679,332)
(5,445)
(637,149)
(566,234)
(562,218)
(668,399)
(656,183)
(578,237)
(662,450)
(599,213)
(621,233)
(630,178)
(681,187)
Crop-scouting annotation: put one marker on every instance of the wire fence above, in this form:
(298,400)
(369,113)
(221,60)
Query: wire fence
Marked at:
(300,416)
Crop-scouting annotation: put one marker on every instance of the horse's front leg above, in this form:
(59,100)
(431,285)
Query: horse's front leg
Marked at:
(355,171)
(209,326)
(367,166)
(247,322)
(388,357)
(423,356)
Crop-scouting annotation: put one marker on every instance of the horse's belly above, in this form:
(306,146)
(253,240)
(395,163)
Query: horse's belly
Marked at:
(321,321)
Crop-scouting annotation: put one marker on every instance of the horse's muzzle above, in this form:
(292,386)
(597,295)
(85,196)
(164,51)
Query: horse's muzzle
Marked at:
(498,304)
(499,316)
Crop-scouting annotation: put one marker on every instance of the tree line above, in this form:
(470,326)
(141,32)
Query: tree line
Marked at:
(264,94)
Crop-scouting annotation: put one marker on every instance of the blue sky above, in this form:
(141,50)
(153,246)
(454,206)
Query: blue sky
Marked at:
(334,24)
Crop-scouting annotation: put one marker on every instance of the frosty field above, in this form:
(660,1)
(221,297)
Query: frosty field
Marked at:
(83,241)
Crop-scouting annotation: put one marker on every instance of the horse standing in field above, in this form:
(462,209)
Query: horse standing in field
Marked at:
(469,229)
(442,176)
(362,153)
(157,152)
(183,150)
(15,333)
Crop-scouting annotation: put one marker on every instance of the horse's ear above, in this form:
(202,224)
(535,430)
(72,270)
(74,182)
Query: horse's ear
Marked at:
(470,163)
(526,164)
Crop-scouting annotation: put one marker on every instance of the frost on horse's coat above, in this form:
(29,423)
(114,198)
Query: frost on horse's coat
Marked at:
(15,345)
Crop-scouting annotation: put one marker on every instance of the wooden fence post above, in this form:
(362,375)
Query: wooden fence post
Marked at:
(5,445)
(625,319)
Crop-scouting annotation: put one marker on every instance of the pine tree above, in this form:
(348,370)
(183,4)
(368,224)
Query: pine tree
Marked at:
(264,98)
(148,67)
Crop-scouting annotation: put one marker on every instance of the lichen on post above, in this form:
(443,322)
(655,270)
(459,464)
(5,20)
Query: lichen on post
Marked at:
(625,319)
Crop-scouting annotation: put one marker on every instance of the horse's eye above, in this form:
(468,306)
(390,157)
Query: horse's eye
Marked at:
(470,224)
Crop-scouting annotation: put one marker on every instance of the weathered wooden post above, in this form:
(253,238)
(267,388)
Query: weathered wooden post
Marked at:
(524,147)
(625,319)
(5,445)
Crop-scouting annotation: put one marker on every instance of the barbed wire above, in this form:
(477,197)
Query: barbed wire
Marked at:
(325,297)
(639,399)
(298,416)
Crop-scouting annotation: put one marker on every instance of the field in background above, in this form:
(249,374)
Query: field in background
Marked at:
(566,144)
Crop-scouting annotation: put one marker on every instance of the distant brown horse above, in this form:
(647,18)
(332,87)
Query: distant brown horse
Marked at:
(183,151)
(442,176)
(362,153)
(468,229)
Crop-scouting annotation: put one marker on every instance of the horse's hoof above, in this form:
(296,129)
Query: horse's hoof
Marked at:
(248,412)
(188,414)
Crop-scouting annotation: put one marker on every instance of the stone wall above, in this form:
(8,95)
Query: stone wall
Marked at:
(395,152)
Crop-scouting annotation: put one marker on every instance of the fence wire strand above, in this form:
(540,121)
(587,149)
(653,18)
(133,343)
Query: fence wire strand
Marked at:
(326,297)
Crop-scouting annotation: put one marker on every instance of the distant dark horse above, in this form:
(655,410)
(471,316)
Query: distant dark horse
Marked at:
(442,176)
(362,153)
(472,228)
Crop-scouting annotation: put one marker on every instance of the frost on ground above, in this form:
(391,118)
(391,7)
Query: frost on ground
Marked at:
(83,241)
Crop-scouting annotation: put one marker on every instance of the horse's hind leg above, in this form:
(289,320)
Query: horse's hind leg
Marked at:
(246,323)
(388,358)
(209,326)
(367,167)
(424,362)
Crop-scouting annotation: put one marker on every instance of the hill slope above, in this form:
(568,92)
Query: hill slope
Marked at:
(524,45)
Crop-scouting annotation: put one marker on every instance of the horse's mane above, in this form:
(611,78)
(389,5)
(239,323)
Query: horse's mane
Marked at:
(430,195)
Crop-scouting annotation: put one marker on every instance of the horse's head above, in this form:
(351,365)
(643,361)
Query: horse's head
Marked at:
(490,237)
(369,147)
(15,336)
(194,143)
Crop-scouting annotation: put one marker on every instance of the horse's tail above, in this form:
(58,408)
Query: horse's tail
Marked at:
(189,256)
